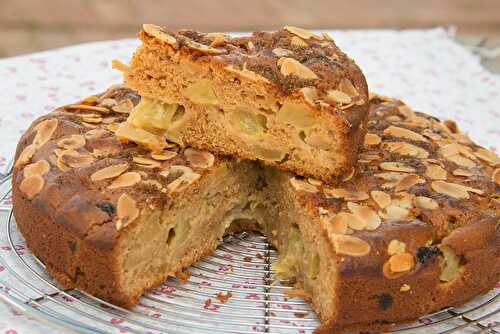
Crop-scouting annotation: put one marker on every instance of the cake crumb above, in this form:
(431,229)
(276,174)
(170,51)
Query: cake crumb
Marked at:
(247,259)
(183,275)
(223,298)
(208,302)
(259,256)
(404,288)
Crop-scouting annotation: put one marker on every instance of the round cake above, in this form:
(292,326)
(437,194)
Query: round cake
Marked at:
(412,229)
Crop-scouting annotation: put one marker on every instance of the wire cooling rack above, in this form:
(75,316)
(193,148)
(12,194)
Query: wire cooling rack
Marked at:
(232,291)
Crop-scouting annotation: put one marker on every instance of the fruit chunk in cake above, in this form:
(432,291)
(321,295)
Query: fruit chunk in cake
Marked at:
(413,229)
(289,98)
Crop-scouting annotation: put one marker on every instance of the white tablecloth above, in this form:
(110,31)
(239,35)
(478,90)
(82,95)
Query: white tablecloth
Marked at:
(426,68)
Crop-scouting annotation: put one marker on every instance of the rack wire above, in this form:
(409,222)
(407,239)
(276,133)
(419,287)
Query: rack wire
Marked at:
(231,291)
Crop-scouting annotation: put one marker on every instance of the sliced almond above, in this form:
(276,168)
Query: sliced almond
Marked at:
(185,178)
(145,161)
(310,95)
(488,156)
(32,185)
(159,33)
(407,182)
(74,159)
(393,211)
(381,198)
(298,42)
(72,142)
(423,202)
(26,155)
(369,216)
(371,139)
(126,210)
(44,132)
(95,134)
(339,223)
(80,107)
(302,185)
(194,45)
(348,195)
(401,262)
(495,177)
(247,74)
(396,247)
(397,167)
(302,33)
(109,172)
(405,149)
(127,179)
(41,167)
(349,245)
(454,190)
(435,172)
(461,161)
(290,66)
(336,96)
(164,155)
(123,107)
(92,120)
(280,52)
(314,182)
(399,132)
(462,172)
(199,159)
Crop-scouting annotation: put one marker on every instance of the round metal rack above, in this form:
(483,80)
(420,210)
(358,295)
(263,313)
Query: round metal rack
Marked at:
(232,291)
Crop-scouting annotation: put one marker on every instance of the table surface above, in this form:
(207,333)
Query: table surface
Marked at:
(426,68)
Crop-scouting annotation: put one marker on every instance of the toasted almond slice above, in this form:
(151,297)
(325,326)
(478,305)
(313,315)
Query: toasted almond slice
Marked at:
(401,262)
(371,139)
(193,45)
(247,74)
(381,198)
(280,52)
(435,172)
(302,185)
(92,120)
(127,179)
(488,156)
(369,216)
(314,182)
(95,134)
(495,177)
(41,167)
(461,161)
(396,131)
(187,177)
(423,202)
(32,185)
(290,66)
(397,167)
(123,107)
(74,159)
(396,212)
(144,161)
(126,210)
(302,33)
(310,95)
(339,223)
(72,142)
(405,149)
(396,247)
(26,155)
(462,172)
(109,172)
(407,182)
(336,96)
(349,245)
(348,195)
(87,107)
(298,42)
(454,190)
(164,155)
(160,34)
(45,130)
(199,159)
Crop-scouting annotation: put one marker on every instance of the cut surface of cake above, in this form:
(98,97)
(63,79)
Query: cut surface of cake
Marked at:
(413,229)
(289,98)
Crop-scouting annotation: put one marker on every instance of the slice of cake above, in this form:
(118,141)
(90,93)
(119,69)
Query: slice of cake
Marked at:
(413,229)
(289,98)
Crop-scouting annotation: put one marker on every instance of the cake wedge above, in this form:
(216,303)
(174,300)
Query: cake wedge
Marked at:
(289,98)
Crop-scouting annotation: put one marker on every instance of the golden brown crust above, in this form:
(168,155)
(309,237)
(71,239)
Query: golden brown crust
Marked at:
(443,241)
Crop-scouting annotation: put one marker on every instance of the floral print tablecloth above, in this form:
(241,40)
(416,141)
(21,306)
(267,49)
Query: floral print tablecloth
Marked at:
(428,69)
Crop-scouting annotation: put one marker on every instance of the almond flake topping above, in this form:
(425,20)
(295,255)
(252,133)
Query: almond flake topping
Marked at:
(423,202)
(247,74)
(372,139)
(290,66)
(32,185)
(348,195)
(44,131)
(127,179)
(164,155)
(488,156)
(398,132)
(41,167)
(185,178)
(349,245)
(123,107)
(407,182)
(298,42)
(193,45)
(279,52)
(369,216)
(454,190)
(26,155)
(336,96)
(302,185)
(395,212)
(405,149)
(381,198)
(435,172)
(74,159)
(339,223)
(199,159)
(126,210)
(495,177)
(462,172)
(302,33)
(158,33)
(109,172)
(72,142)
(397,167)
